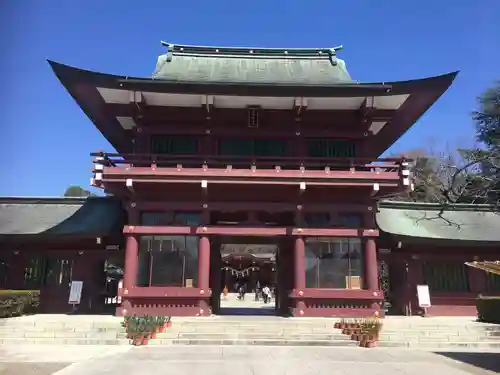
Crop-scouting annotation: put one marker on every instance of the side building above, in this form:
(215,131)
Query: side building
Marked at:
(45,243)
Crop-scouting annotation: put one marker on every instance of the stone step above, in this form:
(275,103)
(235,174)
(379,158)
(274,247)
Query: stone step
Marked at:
(6,330)
(439,345)
(451,335)
(253,336)
(48,334)
(276,330)
(63,341)
(439,339)
(260,342)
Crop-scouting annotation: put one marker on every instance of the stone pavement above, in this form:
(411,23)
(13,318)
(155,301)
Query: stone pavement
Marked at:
(231,305)
(255,360)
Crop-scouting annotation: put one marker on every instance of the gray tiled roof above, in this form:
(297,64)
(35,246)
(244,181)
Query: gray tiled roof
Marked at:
(95,216)
(464,222)
(301,67)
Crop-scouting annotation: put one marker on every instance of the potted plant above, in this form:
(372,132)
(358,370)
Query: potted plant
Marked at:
(160,323)
(168,322)
(371,333)
(143,329)
(126,320)
(152,326)
(342,324)
(130,324)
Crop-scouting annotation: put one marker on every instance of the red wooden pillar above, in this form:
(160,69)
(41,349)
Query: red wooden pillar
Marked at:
(299,274)
(204,264)
(371,269)
(204,274)
(131,263)
(371,265)
(299,255)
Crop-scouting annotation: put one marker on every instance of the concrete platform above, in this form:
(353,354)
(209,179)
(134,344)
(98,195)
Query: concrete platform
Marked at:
(207,360)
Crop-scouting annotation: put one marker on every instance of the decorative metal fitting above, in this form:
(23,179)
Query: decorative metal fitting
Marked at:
(301,312)
(301,293)
(375,294)
(202,291)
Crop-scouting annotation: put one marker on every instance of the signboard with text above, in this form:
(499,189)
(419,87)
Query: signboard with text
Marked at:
(75,292)
(424,297)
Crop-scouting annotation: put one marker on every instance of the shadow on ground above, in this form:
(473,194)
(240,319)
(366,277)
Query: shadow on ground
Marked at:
(485,361)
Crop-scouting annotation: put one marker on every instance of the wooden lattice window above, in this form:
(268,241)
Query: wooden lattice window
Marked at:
(252,147)
(446,277)
(174,145)
(325,148)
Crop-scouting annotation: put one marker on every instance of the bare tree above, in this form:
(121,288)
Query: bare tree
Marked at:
(434,172)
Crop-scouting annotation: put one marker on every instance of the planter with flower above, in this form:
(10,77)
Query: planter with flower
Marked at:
(370,333)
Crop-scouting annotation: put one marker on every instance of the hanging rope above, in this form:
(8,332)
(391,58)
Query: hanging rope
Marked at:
(243,272)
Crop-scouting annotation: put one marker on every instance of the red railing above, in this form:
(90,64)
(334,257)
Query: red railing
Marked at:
(243,162)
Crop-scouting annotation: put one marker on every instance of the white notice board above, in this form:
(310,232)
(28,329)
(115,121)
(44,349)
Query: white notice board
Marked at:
(424,297)
(75,292)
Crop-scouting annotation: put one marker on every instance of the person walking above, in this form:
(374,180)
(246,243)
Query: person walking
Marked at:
(257,291)
(266,293)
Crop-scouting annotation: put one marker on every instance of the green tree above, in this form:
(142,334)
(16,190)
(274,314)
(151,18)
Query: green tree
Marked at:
(482,171)
(77,191)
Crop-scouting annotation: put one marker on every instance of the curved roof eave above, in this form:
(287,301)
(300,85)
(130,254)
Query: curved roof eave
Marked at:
(68,74)
(82,86)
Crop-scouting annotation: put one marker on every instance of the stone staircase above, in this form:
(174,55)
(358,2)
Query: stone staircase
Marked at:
(439,333)
(62,330)
(253,330)
(402,332)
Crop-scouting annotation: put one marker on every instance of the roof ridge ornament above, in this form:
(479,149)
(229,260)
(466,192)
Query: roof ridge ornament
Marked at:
(333,54)
(170,50)
(262,52)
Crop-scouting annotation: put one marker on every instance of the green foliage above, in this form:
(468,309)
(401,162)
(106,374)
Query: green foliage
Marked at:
(487,118)
(488,309)
(484,172)
(18,302)
(78,191)
(143,326)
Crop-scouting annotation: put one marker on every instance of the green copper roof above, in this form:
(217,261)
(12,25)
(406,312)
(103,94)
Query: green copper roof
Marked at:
(466,222)
(42,217)
(294,66)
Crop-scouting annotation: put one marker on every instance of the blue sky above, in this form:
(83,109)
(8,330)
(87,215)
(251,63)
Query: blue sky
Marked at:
(46,139)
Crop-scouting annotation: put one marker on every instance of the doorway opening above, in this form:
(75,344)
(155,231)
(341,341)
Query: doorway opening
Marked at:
(246,276)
